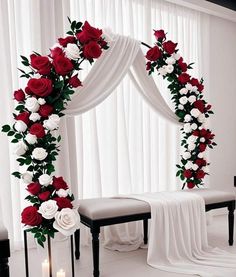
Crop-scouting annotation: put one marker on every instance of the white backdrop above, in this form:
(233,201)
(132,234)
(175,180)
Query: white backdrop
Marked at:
(122,146)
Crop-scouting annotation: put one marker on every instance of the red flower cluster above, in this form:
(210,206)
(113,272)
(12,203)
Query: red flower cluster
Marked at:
(190,107)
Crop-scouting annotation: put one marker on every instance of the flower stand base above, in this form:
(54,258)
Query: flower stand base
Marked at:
(76,236)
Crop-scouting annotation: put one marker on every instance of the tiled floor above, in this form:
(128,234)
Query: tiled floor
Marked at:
(112,264)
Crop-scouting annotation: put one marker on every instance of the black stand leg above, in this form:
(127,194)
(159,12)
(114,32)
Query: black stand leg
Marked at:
(231,209)
(77,244)
(26,255)
(145,231)
(4,267)
(50,256)
(95,241)
(72,256)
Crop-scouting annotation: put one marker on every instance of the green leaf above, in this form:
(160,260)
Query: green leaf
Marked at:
(70,33)
(59,138)
(79,25)
(50,168)
(14,141)
(40,242)
(16,174)
(10,133)
(6,128)
(73,25)
(18,136)
(24,58)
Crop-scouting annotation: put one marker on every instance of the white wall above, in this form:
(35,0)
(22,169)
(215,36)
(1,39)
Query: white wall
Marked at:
(222,86)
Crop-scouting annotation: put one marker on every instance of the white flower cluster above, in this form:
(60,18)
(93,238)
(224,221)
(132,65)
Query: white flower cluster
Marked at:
(52,123)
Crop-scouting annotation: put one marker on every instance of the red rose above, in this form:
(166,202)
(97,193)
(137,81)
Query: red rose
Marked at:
(169,46)
(31,217)
(42,64)
(200,174)
(45,110)
(24,116)
(209,135)
(202,147)
(203,132)
(190,185)
(57,51)
(19,95)
(37,129)
(148,65)
(194,82)
(43,196)
(75,81)
(62,65)
(34,188)
(63,202)
(183,78)
(159,35)
(200,87)
(64,41)
(59,183)
(153,54)
(208,107)
(102,43)
(88,33)
(199,104)
(92,50)
(183,66)
(200,162)
(187,173)
(196,133)
(41,87)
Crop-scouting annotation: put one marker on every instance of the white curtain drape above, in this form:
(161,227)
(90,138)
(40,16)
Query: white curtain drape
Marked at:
(121,146)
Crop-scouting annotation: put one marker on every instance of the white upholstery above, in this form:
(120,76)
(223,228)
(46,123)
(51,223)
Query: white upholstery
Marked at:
(101,208)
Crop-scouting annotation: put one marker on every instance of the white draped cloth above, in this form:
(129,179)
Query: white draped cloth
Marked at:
(178,236)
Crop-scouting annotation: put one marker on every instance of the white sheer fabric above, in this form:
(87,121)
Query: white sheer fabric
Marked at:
(121,146)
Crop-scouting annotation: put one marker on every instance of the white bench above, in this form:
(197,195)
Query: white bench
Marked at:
(99,212)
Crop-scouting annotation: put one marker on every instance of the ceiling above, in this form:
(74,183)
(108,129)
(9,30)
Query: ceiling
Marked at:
(230,4)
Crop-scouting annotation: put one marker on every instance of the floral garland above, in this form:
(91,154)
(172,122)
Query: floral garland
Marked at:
(51,82)
(190,107)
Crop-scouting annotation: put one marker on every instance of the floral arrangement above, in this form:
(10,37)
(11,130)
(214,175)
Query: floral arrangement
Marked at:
(190,107)
(39,107)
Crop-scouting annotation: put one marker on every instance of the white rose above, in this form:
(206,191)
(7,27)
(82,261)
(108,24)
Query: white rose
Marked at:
(72,51)
(170,60)
(202,139)
(192,98)
(162,71)
(194,89)
(32,104)
(201,118)
(34,117)
(195,167)
(62,192)
(200,155)
(206,169)
(195,112)
(191,146)
(183,91)
(191,139)
(186,155)
(189,87)
(169,68)
(20,148)
(194,126)
(45,180)
(52,122)
(39,153)
(188,165)
(187,118)
(187,128)
(27,177)
(20,126)
(41,101)
(176,56)
(31,139)
(183,100)
(48,209)
(66,221)
(180,107)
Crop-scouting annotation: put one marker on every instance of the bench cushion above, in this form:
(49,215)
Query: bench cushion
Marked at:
(101,208)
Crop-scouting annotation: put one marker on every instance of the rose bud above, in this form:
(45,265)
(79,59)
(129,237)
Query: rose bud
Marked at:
(45,110)
(64,41)
(187,173)
(153,54)
(34,188)
(159,35)
(183,78)
(43,196)
(19,95)
(31,217)
(92,50)
(37,130)
(63,202)
(169,46)
(24,116)
(59,183)
(62,65)
(75,81)
(88,33)
(202,147)
(190,185)
(200,174)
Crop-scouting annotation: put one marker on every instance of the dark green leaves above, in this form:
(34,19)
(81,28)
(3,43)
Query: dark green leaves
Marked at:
(6,128)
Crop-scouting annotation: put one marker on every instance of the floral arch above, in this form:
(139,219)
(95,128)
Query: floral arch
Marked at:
(52,81)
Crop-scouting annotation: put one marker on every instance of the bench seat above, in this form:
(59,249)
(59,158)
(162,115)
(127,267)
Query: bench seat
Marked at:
(98,212)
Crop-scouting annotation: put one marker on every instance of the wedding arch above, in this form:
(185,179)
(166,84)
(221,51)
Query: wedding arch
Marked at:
(51,85)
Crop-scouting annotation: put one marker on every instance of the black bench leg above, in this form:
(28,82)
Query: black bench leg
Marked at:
(231,209)
(95,242)
(77,244)
(145,231)
(4,267)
